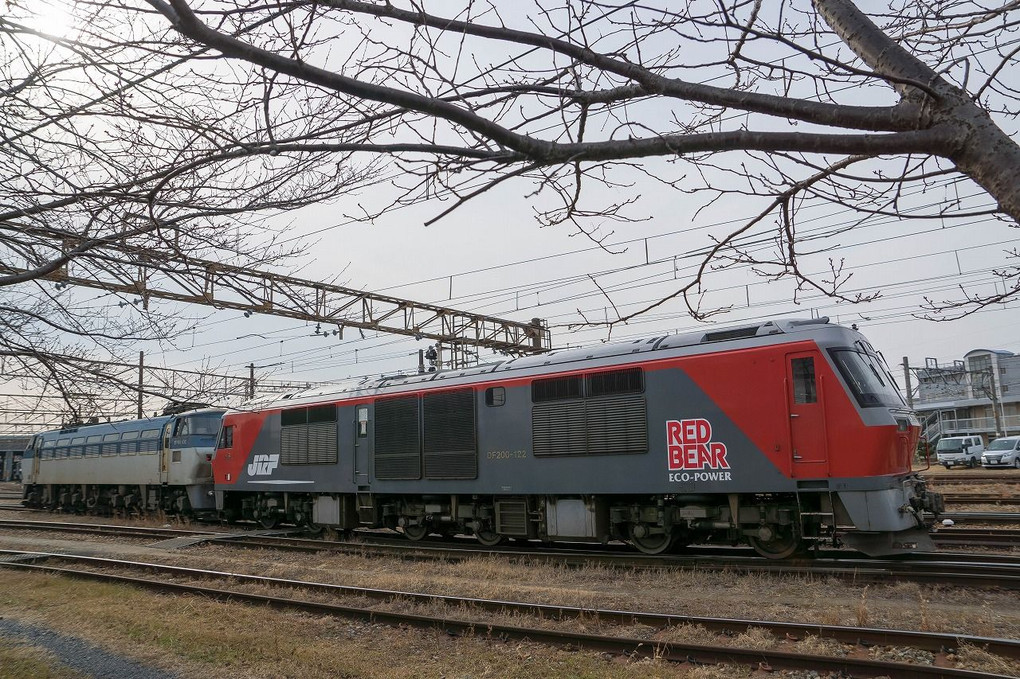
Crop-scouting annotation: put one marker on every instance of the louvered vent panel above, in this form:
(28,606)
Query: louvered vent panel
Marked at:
(558,428)
(294,445)
(393,467)
(450,446)
(617,425)
(322,447)
(451,465)
(397,441)
(512,517)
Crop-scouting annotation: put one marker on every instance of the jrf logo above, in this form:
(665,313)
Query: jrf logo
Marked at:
(263,465)
(689,446)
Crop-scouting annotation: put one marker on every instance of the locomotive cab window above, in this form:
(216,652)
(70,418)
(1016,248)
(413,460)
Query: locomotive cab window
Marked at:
(867,377)
(805,389)
(227,437)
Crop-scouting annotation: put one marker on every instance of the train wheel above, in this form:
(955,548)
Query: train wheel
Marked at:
(489,538)
(269,521)
(781,544)
(416,533)
(651,544)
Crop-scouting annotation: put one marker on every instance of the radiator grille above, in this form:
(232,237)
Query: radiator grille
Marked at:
(313,443)
(322,445)
(397,438)
(617,425)
(309,444)
(450,445)
(558,428)
(605,426)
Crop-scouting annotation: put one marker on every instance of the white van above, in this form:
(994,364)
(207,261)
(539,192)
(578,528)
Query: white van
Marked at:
(1002,452)
(960,450)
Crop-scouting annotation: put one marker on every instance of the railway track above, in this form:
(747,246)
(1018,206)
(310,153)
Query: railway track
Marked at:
(968,570)
(967,478)
(978,537)
(980,499)
(982,517)
(467,616)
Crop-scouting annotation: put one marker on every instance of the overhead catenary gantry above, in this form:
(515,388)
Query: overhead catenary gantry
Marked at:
(151,274)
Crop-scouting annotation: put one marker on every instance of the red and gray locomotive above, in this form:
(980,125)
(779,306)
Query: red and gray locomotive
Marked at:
(783,434)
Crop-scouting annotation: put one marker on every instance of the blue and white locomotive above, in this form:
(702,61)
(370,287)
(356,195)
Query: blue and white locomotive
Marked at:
(153,464)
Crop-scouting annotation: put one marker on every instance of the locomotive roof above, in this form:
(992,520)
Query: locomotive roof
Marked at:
(370,385)
(143,424)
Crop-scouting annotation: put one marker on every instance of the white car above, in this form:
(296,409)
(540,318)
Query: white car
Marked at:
(1004,452)
(960,450)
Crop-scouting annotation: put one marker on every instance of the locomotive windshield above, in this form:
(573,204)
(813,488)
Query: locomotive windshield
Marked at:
(203,424)
(870,382)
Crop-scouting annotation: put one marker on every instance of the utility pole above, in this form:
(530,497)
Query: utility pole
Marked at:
(251,381)
(995,402)
(906,378)
(141,382)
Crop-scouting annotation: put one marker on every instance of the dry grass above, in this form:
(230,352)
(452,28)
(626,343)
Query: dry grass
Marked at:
(242,640)
(23,661)
(821,646)
(691,592)
(978,659)
(757,638)
(195,637)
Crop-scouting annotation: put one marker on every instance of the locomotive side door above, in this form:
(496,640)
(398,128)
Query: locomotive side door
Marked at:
(36,455)
(362,447)
(805,399)
(164,453)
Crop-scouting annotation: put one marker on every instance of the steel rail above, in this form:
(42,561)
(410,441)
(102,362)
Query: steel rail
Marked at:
(995,571)
(673,651)
(980,499)
(967,478)
(978,537)
(983,517)
(102,528)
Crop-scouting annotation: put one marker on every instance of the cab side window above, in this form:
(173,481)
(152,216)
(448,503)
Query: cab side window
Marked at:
(804,389)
